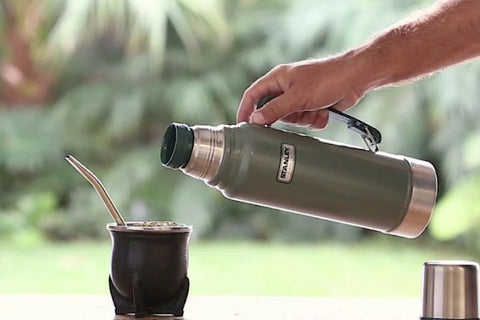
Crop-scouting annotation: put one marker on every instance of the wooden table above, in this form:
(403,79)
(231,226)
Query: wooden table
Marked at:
(94,307)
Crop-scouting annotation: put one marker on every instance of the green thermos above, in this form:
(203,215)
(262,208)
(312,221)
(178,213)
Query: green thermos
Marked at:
(306,175)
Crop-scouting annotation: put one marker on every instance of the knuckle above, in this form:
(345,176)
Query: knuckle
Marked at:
(283,68)
(296,69)
(279,67)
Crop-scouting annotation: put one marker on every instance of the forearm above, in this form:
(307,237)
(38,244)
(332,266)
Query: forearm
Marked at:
(445,34)
(442,35)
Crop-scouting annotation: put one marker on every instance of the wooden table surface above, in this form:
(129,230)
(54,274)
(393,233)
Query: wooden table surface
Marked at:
(216,307)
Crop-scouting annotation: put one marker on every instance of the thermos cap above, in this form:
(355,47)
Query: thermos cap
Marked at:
(177,146)
(450,290)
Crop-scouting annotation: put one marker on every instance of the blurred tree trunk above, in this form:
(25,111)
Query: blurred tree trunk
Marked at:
(22,82)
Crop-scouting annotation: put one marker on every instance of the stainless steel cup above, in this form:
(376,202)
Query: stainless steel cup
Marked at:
(450,290)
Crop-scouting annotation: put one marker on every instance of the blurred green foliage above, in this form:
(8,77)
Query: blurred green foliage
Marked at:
(235,268)
(120,71)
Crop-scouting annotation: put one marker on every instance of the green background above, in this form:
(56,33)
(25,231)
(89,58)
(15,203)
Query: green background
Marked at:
(101,79)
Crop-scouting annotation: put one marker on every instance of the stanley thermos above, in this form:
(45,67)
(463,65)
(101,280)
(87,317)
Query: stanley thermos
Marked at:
(307,175)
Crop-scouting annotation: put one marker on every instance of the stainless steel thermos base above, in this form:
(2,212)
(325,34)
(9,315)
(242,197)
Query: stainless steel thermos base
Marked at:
(450,290)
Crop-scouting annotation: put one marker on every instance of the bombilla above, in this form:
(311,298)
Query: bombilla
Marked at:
(97,184)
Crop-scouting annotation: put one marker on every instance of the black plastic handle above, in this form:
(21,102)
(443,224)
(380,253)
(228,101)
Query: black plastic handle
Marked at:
(369,134)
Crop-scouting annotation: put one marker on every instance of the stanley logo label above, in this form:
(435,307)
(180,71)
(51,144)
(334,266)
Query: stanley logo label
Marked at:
(287,163)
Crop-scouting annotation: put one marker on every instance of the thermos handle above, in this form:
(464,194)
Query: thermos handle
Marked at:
(369,134)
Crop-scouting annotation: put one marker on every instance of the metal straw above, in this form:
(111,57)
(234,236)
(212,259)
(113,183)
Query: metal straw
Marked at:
(97,184)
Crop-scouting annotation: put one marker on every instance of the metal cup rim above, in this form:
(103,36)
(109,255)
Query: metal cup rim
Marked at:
(453,263)
(138,226)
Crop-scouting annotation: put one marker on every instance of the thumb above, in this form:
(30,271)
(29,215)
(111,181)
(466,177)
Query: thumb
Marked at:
(274,110)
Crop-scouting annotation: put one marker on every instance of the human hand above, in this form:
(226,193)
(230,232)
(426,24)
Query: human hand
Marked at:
(304,90)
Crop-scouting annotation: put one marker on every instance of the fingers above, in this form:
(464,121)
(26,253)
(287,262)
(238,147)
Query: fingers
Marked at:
(274,110)
(309,85)
(304,118)
(292,118)
(313,119)
(270,84)
(321,120)
(283,108)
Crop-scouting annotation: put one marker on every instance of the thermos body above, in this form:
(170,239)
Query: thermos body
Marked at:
(307,175)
